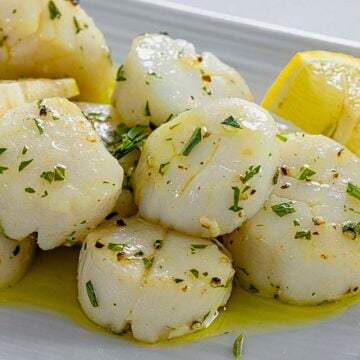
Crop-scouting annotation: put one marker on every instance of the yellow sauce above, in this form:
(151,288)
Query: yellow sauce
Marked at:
(51,286)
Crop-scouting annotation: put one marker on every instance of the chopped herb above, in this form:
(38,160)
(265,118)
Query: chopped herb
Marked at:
(231,121)
(14,11)
(147,111)
(24,164)
(127,139)
(60,173)
(169,118)
(303,234)
(117,247)
(236,206)
(282,209)
(174,126)
(24,150)
(275,179)
(305,173)
(120,75)
(148,263)
(77,25)
(3,168)
(353,190)
(246,188)
(91,294)
(164,33)
(139,253)
(193,141)
(238,347)
(163,168)
(45,194)
(178,280)
(54,11)
(39,126)
(250,173)
(48,176)
(253,289)
(195,273)
(152,73)
(296,222)
(158,244)
(281,137)
(29,190)
(2,150)
(198,246)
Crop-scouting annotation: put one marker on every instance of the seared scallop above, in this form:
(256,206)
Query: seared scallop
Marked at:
(208,170)
(15,259)
(160,284)
(56,175)
(303,246)
(162,77)
(54,39)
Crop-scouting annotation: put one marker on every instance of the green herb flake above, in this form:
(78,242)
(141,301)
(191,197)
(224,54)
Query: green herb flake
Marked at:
(3,168)
(353,190)
(147,111)
(147,263)
(117,247)
(54,11)
(2,150)
(178,280)
(24,150)
(250,173)
(154,74)
(193,141)
(24,164)
(231,121)
(305,173)
(198,246)
(275,179)
(77,25)
(60,173)
(351,230)
(163,168)
(91,294)
(303,234)
(253,289)
(120,75)
(30,190)
(281,137)
(49,176)
(236,206)
(283,209)
(195,273)
(39,126)
(45,194)
(296,222)
(238,347)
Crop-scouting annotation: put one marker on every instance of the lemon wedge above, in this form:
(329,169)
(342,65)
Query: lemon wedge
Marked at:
(319,92)
(17,93)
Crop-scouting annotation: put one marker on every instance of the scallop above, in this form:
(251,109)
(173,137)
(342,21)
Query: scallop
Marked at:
(55,174)
(15,259)
(158,283)
(54,39)
(208,170)
(303,246)
(162,77)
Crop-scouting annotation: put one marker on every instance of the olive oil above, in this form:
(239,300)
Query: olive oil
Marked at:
(51,286)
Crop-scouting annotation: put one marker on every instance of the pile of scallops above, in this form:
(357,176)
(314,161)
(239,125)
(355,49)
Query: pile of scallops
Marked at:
(180,184)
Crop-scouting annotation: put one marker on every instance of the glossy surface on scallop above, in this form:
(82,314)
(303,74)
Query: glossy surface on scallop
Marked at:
(56,175)
(303,246)
(163,77)
(208,170)
(54,39)
(160,284)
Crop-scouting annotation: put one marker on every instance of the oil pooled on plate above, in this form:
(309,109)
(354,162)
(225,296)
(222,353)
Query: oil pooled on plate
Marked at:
(50,285)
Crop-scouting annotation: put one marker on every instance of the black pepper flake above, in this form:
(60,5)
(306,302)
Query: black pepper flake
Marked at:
(43,110)
(99,245)
(284,170)
(17,250)
(215,282)
(120,222)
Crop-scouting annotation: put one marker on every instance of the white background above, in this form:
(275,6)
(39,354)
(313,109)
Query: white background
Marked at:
(339,18)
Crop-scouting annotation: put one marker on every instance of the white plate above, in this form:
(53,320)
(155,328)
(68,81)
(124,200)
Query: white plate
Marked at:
(258,51)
